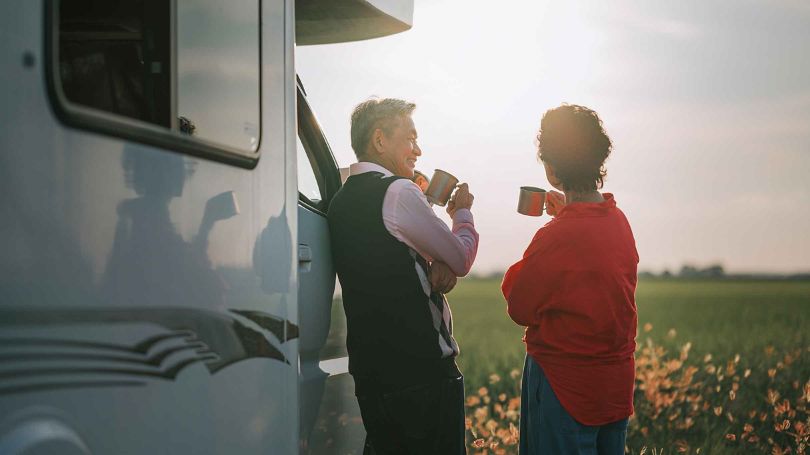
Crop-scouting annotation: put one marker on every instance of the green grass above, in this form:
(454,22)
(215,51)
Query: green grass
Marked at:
(489,340)
(721,317)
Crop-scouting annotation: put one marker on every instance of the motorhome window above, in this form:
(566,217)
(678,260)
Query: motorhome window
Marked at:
(317,170)
(191,66)
(307,182)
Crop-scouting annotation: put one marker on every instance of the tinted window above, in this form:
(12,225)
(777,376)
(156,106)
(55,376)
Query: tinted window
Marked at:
(318,177)
(307,182)
(193,69)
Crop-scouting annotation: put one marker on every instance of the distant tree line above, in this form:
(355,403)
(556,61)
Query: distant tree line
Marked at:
(716,271)
(687,272)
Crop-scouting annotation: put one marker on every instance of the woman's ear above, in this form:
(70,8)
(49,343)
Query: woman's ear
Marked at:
(551,176)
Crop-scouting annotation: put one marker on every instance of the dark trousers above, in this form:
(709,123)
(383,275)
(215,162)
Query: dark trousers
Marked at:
(424,419)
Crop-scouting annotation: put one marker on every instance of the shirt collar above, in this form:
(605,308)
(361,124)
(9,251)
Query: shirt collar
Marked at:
(589,208)
(362,167)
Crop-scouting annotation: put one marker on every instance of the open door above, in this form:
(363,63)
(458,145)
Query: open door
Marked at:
(330,418)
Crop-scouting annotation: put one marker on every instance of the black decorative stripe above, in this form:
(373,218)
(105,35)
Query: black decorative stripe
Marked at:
(266,321)
(199,348)
(219,339)
(154,360)
(253,344)
(144,346)
(140,348)
(66,385)
(170,373)
(292,331)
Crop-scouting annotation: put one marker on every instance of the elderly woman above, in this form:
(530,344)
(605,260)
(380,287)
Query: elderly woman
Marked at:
(574,292)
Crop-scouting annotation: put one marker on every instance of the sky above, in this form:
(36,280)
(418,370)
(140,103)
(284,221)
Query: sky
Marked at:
(707,104)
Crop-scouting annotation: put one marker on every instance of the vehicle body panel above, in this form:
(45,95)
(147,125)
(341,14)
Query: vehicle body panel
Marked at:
(152,297)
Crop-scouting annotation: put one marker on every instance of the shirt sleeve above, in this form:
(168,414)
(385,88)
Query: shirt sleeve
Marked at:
(524,284)
(409,218)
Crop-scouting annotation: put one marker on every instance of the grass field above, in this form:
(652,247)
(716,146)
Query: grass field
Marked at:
(687,400)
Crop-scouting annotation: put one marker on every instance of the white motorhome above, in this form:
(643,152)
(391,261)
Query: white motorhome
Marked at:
(165,277)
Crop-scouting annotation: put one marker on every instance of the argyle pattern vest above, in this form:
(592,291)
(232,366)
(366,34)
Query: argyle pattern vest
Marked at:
(399,332)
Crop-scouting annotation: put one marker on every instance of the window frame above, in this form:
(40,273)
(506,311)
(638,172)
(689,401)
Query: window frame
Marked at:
(312,204)
(319,155)
(111,124)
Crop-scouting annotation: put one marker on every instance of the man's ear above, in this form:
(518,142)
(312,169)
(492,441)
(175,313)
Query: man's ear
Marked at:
(377,141)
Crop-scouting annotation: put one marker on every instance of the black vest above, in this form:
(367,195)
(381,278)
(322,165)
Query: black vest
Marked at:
(391,339)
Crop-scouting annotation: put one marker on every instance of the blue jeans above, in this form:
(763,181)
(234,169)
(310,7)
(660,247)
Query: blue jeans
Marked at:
(547,429)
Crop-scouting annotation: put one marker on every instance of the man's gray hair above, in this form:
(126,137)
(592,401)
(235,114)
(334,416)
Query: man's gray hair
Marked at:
(376,113)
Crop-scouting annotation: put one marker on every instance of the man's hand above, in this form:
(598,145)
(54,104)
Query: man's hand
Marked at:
(462,199)
(555,201)
(442,279)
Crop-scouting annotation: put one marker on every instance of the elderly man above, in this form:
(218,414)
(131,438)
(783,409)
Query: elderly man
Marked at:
(395,258)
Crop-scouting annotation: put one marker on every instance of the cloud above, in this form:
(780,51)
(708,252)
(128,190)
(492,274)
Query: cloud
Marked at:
(633,18)
(801,6)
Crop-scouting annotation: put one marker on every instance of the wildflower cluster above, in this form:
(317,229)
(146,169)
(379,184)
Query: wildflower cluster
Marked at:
(683,404)
(493,416)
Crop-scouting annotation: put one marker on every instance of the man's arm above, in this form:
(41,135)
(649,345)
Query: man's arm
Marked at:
(409,218)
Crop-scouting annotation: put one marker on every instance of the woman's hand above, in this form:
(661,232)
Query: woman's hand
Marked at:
(555,201)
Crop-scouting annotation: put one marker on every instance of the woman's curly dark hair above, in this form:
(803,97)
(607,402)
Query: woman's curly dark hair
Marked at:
(574,143)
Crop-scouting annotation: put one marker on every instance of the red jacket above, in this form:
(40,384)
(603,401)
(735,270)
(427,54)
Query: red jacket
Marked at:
(574,290)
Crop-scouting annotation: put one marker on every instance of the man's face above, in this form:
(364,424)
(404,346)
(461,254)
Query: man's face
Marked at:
(400,150)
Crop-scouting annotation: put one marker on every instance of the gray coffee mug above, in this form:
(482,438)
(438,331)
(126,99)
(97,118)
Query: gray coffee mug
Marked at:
(441,187)
(531,200)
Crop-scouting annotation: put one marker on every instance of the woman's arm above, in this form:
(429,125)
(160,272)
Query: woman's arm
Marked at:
(525,284)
